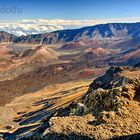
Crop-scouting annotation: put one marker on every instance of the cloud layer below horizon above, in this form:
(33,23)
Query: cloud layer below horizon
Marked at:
(36,26)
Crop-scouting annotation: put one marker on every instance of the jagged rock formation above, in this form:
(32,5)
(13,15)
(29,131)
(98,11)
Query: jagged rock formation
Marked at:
(114,90)
(113,78)
(111,109)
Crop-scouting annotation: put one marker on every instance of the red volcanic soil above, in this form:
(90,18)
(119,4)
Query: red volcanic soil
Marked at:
(4,53)
(97,51)
(95,54)
(89,73)
(4,50)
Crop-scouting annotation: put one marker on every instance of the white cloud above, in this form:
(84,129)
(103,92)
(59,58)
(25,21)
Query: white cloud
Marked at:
(24,29)
(78,22)
(35,26)
(59,22)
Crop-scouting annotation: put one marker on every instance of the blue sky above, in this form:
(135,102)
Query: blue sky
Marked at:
(72,9)
(37,16)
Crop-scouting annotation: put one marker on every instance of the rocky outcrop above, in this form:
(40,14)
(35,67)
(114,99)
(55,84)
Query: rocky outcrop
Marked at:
(112,78)
(109,110)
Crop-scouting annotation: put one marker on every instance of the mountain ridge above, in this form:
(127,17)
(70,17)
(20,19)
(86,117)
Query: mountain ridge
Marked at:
(98,32)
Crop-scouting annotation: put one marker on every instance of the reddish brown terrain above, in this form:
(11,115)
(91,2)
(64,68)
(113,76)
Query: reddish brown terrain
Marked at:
(39,83)
(70,84)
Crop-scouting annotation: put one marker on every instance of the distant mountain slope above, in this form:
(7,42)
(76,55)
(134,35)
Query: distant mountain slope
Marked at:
(6,37)
(137,65)
(128,57)
(111,31)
